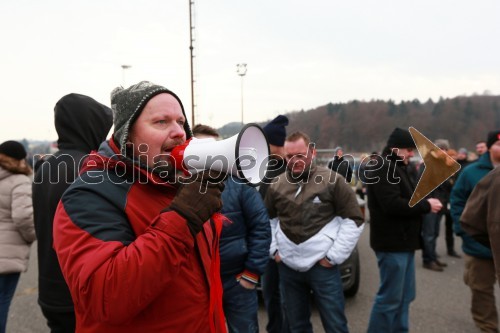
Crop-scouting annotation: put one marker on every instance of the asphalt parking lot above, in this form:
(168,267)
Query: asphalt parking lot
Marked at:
(442,303)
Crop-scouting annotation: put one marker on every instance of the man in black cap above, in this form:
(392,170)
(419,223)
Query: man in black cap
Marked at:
(275,133)
(82,124)
(395,230)
(133,241)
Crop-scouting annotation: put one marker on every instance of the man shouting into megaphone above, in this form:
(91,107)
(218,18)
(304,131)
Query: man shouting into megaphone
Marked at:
(136,251)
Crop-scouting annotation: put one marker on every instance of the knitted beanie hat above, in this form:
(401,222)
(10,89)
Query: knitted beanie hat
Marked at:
(493,137)
(442,144)
(127,105)
(13,149)
(275,131)
(400,138)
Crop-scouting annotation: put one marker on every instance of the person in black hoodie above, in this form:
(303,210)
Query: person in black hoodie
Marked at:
(395,231)
(81,124)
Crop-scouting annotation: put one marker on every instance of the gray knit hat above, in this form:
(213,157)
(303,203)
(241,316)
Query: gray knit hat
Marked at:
(127,105)
(442,144)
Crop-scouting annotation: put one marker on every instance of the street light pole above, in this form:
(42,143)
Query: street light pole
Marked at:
(191,39)
(124,68)
(241,69)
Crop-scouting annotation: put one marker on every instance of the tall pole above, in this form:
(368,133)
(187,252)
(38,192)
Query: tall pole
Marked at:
(191,3)
(124,68)
(242,122)
(241,69)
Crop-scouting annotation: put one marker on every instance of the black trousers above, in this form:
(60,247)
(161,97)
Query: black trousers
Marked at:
(450,237)
(60,322)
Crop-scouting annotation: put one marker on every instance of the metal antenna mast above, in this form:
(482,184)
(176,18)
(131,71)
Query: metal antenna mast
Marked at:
(191,40)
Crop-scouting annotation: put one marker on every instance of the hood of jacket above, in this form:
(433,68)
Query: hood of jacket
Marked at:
(81,122)
(484,161)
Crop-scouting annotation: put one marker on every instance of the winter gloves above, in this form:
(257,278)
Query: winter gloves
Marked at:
(198,198)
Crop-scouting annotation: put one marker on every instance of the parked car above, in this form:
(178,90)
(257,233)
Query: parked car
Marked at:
(350,273)
(350,270)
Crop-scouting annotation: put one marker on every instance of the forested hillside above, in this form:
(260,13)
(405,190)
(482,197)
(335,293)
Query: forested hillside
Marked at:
(364,126)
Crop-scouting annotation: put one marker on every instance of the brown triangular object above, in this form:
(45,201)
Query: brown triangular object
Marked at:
(439,166)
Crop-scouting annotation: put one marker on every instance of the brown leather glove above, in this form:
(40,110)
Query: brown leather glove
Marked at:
(198,198)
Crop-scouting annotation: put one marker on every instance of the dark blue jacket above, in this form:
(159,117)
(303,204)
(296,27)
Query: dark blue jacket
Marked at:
(245,242)
(462,189)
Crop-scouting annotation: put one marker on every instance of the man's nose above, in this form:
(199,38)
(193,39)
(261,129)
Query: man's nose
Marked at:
(178,131)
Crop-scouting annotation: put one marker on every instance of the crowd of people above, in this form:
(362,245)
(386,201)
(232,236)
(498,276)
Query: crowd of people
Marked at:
(129,241)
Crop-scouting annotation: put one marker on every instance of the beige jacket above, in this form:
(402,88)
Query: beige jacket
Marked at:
(17,230)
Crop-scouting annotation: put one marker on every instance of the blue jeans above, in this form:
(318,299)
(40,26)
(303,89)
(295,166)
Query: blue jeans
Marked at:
(271,293)
(326,285)
(241,306)
(390,310)
(8,284)
(430,233)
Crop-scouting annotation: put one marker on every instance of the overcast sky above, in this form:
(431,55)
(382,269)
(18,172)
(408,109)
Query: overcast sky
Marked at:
(300,55)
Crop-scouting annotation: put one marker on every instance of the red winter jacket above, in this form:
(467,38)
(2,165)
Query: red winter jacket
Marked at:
(129,267)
